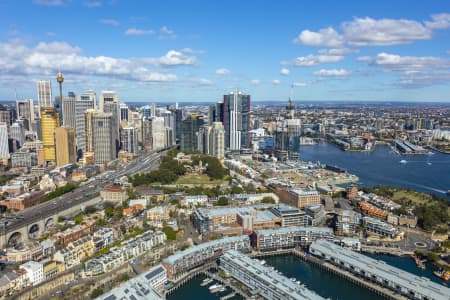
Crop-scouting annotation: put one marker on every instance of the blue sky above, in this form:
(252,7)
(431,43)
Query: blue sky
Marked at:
(199,50)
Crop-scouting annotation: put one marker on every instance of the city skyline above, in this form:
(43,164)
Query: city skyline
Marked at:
(177,51)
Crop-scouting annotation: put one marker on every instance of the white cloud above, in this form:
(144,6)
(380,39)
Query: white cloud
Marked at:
(135,31)
(202,81)
(44,59)
(111,22)
(255,81)
(326,37)
(332,72)
(364,58)
(192,51)
(299,84)
(372,32)
(313,60)
(93,3)
(285,72)
(166,33)
(338,51)
(394,62)
(276,82)
(171,59)
(49,2)
(419,79)
(440,21)
(222,72)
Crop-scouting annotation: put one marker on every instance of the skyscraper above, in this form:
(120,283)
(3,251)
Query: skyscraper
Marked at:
(89,129)
(69,111)
(65,146)
(25,111)
(86,101)
(235,116)
(103,138)
(189,137)
(123,112)
(109,103)
(178,115)
(158,133)
(44,88)
(4,149)
(49,122)
(128,139)
(17,133)
(146,130)
(217,140)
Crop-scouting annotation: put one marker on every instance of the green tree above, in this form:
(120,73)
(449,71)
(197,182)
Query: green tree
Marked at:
(170,233)
(268,200)
(78,218)
(223,201)
(96,293)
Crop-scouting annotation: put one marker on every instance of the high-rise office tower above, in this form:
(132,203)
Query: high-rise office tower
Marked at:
(25,111)
(189,136)
(178,115)
(109,103)
(65,146)
(5,115)
(123,112)
(49,122)
(234,113)
(153,110)
(44,88)
(169,122)
(147,139)
(86,101)
(217,140)
(103,138)
(146,111)
(158,133)
(17,133)
(128,139)
(69,110)
(287,135)
(89,129)
(4,149)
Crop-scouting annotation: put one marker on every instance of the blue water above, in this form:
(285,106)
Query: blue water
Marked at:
(383,167)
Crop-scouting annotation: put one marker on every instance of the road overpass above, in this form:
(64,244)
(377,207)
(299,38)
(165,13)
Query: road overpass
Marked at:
(33,221)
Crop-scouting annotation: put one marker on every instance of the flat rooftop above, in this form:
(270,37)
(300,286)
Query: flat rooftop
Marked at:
(421,285)
(269,277)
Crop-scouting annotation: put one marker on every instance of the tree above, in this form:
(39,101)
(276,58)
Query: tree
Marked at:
(268,200)
(97,292)
(223,201)
(170,233)
(78,218)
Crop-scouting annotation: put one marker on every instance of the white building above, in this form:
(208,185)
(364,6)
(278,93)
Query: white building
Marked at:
(34,272)
(44,88)
(158,133)
(4,149)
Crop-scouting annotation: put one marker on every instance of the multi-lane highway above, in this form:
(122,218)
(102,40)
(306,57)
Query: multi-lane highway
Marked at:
(77,196)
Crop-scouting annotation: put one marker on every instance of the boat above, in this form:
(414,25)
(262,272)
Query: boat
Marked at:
(215,286)
(206,281)
(442,274)
(403,161)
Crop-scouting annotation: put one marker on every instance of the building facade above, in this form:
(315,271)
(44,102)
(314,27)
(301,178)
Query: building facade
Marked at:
(49,122)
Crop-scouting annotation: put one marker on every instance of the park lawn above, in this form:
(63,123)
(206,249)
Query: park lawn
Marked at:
(193,178)
(416,198)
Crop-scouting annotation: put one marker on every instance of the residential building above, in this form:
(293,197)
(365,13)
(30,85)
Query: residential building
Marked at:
(298,197)
(75,252)
(23,252)
(49,122)
(114,193)
(291,216)
(34,272)
(410,221)
(288,237)
(183,261)
(217,140)
(17,133)
(379,227)
(128,140)
(347,222)
(235,115)
(147,286)
(86,101)
(263,280)
(158,215)
(158,133)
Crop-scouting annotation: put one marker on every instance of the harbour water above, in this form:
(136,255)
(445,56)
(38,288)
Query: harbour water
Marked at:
(326,284)
(425,173)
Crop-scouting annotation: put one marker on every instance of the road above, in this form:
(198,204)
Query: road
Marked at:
(77,196)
